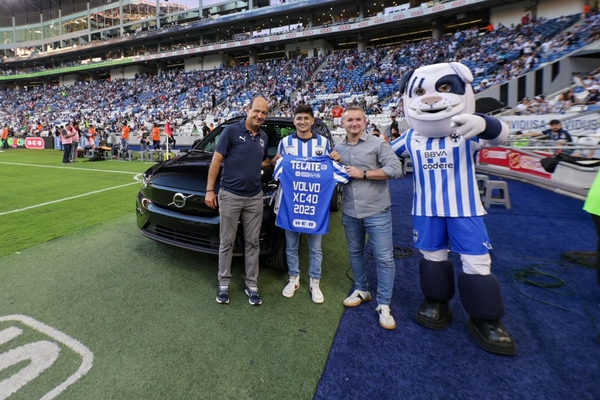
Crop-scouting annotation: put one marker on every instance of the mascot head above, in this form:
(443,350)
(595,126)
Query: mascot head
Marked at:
(433,94)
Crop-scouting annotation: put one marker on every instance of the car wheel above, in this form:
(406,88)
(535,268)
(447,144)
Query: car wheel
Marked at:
(278,259)
(336,201)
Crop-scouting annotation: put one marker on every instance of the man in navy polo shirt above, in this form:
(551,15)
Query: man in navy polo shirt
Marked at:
(243,150)
(555,132)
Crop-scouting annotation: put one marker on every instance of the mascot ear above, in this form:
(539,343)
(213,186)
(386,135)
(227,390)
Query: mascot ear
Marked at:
(405,79)
(463,71)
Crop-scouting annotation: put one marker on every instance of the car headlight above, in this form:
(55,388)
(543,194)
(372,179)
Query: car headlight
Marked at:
(145,181)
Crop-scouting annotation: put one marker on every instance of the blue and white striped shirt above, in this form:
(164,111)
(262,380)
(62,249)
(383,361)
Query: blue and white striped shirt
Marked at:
(307,186)
(316,146)
(292,145)
(444,174)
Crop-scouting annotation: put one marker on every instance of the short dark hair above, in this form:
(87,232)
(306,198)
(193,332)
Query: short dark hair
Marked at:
(304,109)
(554,122)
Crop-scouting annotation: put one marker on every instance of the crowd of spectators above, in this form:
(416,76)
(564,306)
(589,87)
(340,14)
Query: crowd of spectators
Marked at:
(585,92)
(495,55)
(174,95)
(345,77)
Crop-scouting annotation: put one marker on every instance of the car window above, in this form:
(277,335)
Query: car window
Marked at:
(211,141)
(275,132)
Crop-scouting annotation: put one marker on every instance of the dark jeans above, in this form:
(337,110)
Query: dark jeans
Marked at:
(597,223)
(74,147)
(66,152)
(5,144)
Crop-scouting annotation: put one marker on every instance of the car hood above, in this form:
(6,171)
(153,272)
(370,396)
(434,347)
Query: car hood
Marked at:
(186,172)
(189,172)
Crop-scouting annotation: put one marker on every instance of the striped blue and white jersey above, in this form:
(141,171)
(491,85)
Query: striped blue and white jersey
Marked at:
(444,174)
(316,146)
(307,186)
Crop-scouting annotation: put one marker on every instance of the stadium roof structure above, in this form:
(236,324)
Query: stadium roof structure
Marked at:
(15,7)
(8,7)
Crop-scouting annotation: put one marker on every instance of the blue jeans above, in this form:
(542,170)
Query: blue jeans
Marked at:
(292,240)
(379,229)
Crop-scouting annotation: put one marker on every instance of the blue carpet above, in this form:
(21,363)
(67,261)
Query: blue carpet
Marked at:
(558,356)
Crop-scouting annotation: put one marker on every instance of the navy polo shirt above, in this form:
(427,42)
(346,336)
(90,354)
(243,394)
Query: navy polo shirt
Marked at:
(243,155)
(560,135)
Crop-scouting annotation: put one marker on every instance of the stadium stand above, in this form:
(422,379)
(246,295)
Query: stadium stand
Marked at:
(365,75)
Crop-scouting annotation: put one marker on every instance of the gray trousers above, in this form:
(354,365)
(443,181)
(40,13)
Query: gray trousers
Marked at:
(231,206)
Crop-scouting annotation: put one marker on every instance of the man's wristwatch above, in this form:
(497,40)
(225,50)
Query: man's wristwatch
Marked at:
(365,174)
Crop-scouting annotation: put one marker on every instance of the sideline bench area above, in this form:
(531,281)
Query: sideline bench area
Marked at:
(106,153)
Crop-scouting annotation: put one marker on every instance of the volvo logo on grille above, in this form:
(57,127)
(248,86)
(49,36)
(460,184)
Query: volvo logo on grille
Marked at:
(179,200)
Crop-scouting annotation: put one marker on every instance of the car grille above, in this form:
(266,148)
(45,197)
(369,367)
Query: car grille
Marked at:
(188,211)
(183,238)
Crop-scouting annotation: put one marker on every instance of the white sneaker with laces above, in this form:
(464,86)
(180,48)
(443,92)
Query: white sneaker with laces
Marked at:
(315,291)
(357,297)
(291,287)
(386,320)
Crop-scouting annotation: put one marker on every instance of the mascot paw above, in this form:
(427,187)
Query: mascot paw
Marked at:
(468,125)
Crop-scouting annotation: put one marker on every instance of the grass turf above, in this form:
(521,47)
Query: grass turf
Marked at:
(148,313)
(35,177)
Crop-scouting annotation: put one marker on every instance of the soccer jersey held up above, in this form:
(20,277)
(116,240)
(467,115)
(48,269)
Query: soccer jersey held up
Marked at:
(307,186)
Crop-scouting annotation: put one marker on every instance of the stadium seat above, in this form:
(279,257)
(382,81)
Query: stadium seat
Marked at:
(496,187)
(482,180)
(407,166)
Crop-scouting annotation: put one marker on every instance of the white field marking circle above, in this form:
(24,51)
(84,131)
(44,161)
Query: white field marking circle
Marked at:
(41,354)
(136,178)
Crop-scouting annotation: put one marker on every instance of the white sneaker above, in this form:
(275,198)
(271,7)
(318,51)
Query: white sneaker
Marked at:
(315,291)
(357,297)
(386,320)
(291,287)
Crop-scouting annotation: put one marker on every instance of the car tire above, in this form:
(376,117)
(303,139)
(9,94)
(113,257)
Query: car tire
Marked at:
(278,259)
(336,200)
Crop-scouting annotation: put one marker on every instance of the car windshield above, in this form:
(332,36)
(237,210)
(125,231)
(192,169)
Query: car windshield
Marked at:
(274,130)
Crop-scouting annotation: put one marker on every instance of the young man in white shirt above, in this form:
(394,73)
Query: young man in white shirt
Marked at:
(307,144)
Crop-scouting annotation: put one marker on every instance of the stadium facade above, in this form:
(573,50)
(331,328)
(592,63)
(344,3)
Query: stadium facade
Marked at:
(60,42)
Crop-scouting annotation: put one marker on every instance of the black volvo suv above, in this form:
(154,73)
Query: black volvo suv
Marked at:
(170,205)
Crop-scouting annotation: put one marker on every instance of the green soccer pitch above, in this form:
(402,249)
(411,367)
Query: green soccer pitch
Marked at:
(115,315)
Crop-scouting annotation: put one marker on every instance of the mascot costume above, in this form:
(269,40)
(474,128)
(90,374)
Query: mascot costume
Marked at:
(444,137)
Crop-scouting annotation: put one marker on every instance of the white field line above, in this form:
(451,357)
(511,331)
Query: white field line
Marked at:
(68,198)
(69,168)
(136,178)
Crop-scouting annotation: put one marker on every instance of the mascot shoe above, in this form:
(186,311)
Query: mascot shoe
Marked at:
(434,314)
(492,336)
